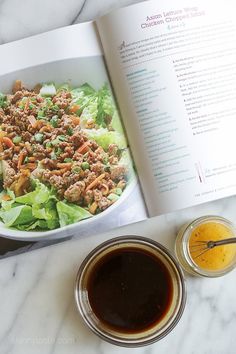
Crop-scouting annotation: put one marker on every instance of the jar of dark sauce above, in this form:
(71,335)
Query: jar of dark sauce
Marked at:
(130,291)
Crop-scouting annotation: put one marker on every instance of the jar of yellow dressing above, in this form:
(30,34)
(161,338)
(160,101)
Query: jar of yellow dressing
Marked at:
(195,257)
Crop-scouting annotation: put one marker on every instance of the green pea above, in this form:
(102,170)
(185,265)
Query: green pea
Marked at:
(85,165)
(17,139)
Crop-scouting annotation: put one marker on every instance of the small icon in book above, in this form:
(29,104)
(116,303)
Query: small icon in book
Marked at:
(200,172)
(122,45)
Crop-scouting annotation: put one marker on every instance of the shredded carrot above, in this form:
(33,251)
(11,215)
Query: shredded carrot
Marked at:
(84,148)
(46,128)
(21,158)
(66,165)
(74,108)
(75,120)
(58,172)
(7,141)
(6,197)
(40,124)
(33,121)
(95,182)
(26,105)
(30,166)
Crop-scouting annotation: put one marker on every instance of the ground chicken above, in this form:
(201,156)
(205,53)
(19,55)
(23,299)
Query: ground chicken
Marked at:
(74,193)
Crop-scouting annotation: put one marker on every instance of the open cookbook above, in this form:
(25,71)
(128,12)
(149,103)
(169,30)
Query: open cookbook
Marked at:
(110,122)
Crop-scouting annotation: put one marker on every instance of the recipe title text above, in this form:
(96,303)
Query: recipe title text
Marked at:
(172,16)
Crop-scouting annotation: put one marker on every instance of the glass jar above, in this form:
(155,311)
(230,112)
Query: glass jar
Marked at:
(142,337)
(194,258)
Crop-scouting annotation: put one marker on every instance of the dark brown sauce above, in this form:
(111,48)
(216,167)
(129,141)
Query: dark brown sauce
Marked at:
(130,290)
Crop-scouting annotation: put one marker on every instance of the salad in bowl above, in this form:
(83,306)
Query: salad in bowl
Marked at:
(63,155)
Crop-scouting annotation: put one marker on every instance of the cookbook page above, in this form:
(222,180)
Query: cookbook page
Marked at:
(173,67)
(65,164)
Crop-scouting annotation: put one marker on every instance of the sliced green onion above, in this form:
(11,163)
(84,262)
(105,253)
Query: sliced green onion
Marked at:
(41,114)
(70,131)
(117,191)
(48,144)
(76,169)
(61,137)
(113,197)
(58,151)
(39,137)
(107,169)
(55,108)
(54,121)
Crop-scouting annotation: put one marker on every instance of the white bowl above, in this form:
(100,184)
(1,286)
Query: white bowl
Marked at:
(75,71)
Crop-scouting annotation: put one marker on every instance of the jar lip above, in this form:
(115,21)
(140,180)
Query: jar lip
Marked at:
(180,305)
(185,240)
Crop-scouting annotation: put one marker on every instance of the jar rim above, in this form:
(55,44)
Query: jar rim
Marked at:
(186,251)
(180,304)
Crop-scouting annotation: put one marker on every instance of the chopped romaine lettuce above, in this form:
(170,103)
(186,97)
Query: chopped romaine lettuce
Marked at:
(7,203)
(106,107)
(70,213)
(38,224)
(116,123)
(97,105)
(17,215)
(40,195)
(104,138)
(83,90)
(48,90)
(39,209)
(126,161)
(64,87)
(3,100)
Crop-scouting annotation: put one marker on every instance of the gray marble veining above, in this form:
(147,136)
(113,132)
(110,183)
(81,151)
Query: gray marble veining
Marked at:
(29,17)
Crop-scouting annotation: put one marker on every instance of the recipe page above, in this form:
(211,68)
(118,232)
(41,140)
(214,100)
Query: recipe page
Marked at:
(173,67)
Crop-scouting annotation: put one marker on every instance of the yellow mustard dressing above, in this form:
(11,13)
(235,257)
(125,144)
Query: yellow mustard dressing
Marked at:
(218,257)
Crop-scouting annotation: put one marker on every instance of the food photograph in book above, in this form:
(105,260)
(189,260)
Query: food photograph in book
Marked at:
(64,155)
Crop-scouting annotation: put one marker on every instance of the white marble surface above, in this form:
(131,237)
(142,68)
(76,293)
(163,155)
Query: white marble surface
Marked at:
(37,309)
